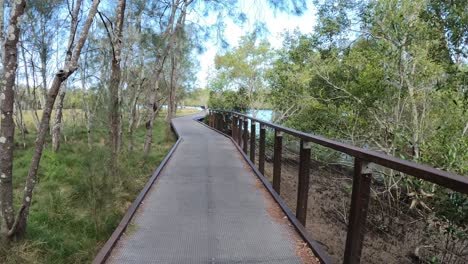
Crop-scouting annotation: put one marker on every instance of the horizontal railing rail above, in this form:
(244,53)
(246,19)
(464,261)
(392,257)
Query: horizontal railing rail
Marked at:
(360,195)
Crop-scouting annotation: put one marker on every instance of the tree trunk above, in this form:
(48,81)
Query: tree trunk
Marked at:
(116,72)
(18,110)
(132,122)
(88,114)
(139,116)
(153,105)
(58,120)
(153,112)
(31,102)
(172,94)
(7,128)
(44,80)
(133,115)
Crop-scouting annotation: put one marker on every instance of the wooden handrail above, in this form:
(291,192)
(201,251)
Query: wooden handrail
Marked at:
(443,178)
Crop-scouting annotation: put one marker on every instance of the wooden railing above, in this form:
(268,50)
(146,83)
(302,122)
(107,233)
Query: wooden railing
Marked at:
(238,124)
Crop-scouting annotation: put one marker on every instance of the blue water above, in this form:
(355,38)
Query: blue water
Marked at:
(263,114)
(182,106)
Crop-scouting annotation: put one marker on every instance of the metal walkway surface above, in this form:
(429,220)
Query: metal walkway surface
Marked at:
(207,207)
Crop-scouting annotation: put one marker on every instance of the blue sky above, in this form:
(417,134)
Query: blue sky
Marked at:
(256,10)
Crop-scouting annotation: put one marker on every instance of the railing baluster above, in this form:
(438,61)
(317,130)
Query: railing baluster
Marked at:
(358,213)
(220,122)
(221,119)
(225,123)
(303,183)
(234,127)
(239,132)
(261,149)
(252,141)
(277,160)
(211,119)
(215,120)
(246,135)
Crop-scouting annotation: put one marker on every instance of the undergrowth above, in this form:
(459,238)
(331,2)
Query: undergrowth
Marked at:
(77,204)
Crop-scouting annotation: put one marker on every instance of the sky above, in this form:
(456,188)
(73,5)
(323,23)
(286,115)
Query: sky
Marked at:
(256,10)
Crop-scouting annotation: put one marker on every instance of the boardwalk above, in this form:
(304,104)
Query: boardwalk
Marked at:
(207,207)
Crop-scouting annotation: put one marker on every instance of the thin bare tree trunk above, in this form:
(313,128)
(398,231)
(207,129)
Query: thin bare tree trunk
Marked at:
(20,122)
(153,105)
(18,112)
(44,80)
(116,73)
(36,116)
(58,119)
(88,114)
(172,94)
(133,114)
(139,116)
(31,102)
(132,122)
(7,128)
(153,112)
(175,49)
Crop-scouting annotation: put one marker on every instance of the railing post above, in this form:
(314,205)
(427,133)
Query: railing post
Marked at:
(261,149)
(303,183)
(224,123)
(210,119)
(214,120)
(252,141)
(277,160)
(221,122)
(234,127)
(239,131)
(358,212)
(246,135)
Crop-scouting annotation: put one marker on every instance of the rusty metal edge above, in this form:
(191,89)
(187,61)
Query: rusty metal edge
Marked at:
(105,251)
(314,245)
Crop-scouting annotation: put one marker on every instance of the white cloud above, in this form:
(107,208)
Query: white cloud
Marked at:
(257,10)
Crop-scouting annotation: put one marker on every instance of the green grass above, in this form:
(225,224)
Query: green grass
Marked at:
(76,205)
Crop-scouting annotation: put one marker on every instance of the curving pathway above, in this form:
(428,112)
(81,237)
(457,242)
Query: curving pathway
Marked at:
(207,207)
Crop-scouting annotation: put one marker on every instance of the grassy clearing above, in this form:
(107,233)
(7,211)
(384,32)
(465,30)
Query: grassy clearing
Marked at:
(77,205)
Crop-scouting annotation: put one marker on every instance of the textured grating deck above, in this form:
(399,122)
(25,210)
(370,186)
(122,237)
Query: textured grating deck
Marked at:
(205,208)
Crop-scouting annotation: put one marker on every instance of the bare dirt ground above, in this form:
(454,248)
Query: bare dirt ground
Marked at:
(328,210)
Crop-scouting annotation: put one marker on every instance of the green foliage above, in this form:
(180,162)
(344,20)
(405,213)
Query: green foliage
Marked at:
(77,205)
(229,100)
(387,89)
(390,76)
(239,78)
(197,97)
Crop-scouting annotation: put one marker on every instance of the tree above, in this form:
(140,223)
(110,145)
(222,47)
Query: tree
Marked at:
(114,110)
(10,62)
(167,42)
(244,68)
(12,227)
